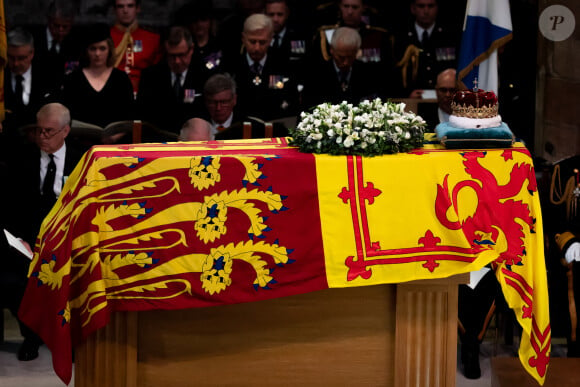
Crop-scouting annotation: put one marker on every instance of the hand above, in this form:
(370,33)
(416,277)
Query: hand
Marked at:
(416,93)
(573,252)
(25,244)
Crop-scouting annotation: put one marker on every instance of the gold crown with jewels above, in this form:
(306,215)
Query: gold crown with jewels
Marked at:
(474,103)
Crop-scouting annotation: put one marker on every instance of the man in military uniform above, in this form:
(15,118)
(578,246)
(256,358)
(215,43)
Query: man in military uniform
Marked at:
(266,87)
(424,48)
(288,43)
(561,215)
(343,78)
(135,47)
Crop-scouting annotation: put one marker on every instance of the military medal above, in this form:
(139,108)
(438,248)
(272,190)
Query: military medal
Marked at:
(257,80)
(189,95)
(138,46)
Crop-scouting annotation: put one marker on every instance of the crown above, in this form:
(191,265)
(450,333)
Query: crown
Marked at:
(474,103)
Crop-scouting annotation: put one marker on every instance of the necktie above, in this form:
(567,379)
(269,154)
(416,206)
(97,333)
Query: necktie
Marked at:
(256,68)
(53,47)
(343,78)
(19,90)
(177,86)
(220,128)
(48,185)
(276,41)
(424,38)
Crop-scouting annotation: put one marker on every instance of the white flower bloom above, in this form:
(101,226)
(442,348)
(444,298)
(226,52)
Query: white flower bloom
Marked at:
(348,142)
(407,135)
(330,133)
(339,140)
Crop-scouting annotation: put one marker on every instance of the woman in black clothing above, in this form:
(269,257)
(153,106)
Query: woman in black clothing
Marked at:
(98,93)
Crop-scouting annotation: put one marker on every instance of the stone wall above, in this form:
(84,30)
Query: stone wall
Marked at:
(558,90)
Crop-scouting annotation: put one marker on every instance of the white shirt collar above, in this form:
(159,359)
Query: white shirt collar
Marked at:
(59,157)
(49,40)
(26,85)
(443,117)
(251,61)
(226,124)
(280,35)
(420,30)
(183,76)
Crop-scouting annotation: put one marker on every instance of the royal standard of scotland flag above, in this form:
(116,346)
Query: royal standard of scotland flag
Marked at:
(487,27)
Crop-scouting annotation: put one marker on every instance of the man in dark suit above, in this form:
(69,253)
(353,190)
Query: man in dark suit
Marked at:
(169,91)
(288,43)
(56,45)
(445,89)
(429,44)
(343,78)
(266,87)
(26,85)
(36,177)
(226,122)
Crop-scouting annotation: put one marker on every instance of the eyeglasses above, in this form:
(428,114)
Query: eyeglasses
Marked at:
(216,102)
(445,90)
(47,132)
(178,55)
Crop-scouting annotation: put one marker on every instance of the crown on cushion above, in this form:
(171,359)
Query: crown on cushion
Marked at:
(474,103)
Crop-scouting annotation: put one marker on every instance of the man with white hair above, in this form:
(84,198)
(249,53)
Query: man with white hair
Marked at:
(266,88)
(36,177)
(343,78)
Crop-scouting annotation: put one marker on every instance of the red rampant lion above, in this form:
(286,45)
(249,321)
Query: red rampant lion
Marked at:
(497,213)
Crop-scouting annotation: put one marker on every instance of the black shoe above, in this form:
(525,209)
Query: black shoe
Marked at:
(470,359)
(28,350)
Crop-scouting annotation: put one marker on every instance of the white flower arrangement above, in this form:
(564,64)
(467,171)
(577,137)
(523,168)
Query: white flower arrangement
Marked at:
(369,129)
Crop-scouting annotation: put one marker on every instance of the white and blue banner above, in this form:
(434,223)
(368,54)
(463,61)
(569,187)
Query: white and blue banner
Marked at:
(487,27)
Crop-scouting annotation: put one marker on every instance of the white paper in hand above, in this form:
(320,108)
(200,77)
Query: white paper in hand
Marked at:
(17,244)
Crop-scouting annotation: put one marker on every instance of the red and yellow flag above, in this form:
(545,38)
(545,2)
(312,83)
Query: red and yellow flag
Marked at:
(168,226)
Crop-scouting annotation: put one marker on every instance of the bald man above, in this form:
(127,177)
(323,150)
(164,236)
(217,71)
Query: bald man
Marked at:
(196,129)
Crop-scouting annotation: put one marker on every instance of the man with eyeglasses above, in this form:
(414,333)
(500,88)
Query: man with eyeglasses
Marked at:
(226,122)
(445,88)
(27,86)
(36,176)
(169,92)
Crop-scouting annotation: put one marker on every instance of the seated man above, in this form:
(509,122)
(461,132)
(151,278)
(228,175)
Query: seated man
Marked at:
(266,86)
(195,129)
(226,121)
(445,89)
(343,78)
(135,47)
(169,91)
(36,175)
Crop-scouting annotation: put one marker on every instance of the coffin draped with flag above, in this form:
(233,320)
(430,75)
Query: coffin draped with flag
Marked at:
(169,226)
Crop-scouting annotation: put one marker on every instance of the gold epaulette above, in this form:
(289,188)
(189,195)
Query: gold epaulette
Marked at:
(380,29)
(323,42)
(563,238)
(410,58)
(322,6)
(328,27)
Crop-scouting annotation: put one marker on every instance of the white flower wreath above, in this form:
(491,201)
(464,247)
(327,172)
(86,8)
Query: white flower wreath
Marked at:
(369,129)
